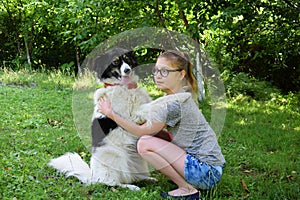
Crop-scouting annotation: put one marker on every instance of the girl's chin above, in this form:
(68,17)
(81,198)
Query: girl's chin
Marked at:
(159,86)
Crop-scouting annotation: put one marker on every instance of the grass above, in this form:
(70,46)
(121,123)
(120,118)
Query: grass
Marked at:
(260,141)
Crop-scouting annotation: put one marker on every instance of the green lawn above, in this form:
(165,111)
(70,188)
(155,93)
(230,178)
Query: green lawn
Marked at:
(260,141)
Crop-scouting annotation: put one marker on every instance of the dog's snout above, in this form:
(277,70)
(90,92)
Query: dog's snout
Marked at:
(127,70)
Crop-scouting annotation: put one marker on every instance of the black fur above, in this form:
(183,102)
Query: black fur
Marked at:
(100,128)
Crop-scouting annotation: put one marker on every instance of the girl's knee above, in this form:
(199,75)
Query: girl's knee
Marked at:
(142,143)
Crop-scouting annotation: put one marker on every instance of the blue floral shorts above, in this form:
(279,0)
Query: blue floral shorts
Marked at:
(201,175)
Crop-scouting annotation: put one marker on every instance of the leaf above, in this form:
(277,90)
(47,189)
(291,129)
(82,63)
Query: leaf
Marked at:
(53,122)
(289,177)
(244,186)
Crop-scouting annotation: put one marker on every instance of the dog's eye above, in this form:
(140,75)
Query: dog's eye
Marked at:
(126,58)
(116,61)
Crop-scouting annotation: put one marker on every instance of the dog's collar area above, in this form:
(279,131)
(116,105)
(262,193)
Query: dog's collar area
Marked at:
(110,84)
(130,85)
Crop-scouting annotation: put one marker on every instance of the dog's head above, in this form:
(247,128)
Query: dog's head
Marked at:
(115,66)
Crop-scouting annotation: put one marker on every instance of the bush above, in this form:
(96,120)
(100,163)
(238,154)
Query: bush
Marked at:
(242,83)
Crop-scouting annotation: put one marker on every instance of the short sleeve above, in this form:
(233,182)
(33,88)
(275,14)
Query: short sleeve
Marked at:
(168,113)
(173,113)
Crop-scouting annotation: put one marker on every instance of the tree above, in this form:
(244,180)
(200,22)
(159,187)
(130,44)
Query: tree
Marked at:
(260,37)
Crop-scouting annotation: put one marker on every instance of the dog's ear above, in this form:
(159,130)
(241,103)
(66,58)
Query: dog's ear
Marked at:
(101,63)
(132,59)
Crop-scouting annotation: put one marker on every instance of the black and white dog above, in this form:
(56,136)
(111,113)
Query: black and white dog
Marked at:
(118,73)
(114,159)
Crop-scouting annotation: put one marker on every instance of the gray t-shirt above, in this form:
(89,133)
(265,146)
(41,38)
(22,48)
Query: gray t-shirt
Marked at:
(189,128)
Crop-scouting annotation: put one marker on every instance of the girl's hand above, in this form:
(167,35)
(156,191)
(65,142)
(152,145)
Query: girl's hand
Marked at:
(104,107)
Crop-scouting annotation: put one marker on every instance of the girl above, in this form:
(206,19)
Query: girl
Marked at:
(193,158)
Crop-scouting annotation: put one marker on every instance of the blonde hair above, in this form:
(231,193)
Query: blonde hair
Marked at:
(181,60)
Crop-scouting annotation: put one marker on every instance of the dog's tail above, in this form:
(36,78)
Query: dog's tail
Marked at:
(71,164)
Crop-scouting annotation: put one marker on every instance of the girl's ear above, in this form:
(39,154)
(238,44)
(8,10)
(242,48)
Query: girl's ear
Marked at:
(182,74)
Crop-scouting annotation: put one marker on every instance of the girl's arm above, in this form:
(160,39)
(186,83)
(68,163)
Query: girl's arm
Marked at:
(135,129)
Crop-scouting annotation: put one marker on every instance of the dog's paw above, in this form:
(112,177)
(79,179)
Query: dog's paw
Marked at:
(131,187)
(99,115)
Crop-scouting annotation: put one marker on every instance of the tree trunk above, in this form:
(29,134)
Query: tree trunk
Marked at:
(78,58)
(199,73)
(27,52)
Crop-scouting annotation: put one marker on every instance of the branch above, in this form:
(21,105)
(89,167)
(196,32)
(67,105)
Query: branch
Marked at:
(185,21)
(183,16)
(162,22)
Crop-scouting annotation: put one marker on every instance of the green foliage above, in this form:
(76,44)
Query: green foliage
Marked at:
(260,141)
(44,79)
(150,86)
(242,83)
(30,33)
(260,38)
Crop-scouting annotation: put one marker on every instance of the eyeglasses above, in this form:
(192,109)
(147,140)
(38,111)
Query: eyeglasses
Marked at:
(164,72)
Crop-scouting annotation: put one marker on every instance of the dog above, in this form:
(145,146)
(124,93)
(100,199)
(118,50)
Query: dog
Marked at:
(114,160)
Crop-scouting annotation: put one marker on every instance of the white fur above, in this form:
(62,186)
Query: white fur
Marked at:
(124,66)
(117,161)
(71,164)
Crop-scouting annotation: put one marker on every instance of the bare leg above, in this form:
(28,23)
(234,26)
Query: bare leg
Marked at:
(168,159)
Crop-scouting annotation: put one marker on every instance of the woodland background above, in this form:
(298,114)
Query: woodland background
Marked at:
(252,40)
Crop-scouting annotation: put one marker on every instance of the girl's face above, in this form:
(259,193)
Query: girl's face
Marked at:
(168,81)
